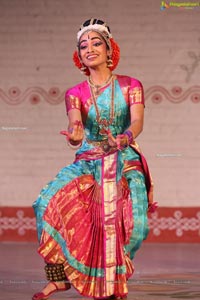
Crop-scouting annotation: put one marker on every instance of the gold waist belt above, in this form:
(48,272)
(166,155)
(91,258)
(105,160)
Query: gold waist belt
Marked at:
(102,144)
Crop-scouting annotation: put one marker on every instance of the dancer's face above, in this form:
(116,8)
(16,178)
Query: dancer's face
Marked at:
(93,50)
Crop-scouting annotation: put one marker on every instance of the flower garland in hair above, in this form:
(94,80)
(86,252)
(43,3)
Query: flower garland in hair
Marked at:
(115,53)
(78,63)
(115,58)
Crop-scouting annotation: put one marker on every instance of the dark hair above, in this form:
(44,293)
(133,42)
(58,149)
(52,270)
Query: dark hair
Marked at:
(94,21)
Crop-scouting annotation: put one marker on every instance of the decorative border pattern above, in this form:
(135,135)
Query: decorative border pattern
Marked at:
(35,95)
(167,224)
(175,224)
(20,223)
(54,96)
(176,95)
(17,224)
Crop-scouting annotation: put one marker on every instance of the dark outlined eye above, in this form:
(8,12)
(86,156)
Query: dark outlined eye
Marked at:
(97,44)
(82,47)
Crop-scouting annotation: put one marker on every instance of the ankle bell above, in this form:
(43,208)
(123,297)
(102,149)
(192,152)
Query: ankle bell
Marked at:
(55,272)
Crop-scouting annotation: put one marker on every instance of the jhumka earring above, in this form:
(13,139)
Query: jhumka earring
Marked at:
(83,68)
(109,62)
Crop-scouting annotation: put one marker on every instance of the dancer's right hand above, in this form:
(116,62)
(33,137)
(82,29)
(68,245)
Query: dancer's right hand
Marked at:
(75,133)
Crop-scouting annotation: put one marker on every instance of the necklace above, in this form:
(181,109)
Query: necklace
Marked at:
(97,87)
(104,123)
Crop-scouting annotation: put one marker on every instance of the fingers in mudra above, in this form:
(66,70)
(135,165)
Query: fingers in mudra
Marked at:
(112,141)
(75,132)
(121,140)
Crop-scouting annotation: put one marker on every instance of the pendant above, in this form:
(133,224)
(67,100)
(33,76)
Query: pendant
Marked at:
(104,122)
(106,148)
(103,131)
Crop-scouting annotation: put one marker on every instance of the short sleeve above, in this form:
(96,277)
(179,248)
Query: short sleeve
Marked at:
(136,92)
(72,99)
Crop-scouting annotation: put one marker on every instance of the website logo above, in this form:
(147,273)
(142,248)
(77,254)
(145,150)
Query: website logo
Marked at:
(164,5)
(183,5)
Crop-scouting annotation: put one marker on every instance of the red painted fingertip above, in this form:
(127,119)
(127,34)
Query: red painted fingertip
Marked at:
(64,132)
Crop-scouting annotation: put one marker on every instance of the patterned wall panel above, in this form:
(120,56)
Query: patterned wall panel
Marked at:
(53,96)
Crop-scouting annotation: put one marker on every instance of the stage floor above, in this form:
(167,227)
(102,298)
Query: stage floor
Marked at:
(162,272)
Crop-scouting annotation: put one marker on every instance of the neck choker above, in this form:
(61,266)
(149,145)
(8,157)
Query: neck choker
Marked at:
(97,87)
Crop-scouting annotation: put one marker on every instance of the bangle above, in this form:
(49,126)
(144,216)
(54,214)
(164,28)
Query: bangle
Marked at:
(74,147)
(129,134)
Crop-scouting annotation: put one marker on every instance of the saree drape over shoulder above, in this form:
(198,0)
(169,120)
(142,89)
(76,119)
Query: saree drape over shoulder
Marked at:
(93,216)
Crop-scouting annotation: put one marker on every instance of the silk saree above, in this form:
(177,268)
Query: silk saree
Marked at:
(92,217)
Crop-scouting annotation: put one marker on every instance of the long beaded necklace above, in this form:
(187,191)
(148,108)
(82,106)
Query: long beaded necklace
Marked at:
(104,123)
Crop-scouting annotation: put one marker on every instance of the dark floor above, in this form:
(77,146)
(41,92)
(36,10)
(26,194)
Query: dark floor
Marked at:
(162,272)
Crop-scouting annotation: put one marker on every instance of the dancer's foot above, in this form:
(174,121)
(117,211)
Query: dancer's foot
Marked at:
(107,298)
(50,288)
(113,297)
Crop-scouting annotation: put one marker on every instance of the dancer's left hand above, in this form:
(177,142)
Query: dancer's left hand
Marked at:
(121,140)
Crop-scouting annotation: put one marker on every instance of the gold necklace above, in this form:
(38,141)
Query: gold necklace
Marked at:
(97,87)
(104,123)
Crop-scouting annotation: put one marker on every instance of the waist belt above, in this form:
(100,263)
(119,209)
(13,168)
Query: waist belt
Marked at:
(104,145)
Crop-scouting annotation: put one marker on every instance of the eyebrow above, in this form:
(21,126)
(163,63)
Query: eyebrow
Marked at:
(93,38)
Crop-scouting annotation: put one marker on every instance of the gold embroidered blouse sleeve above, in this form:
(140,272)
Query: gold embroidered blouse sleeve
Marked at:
(136,96)
(72,102)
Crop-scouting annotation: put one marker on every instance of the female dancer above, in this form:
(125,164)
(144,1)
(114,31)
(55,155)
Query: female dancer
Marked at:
(92,217)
